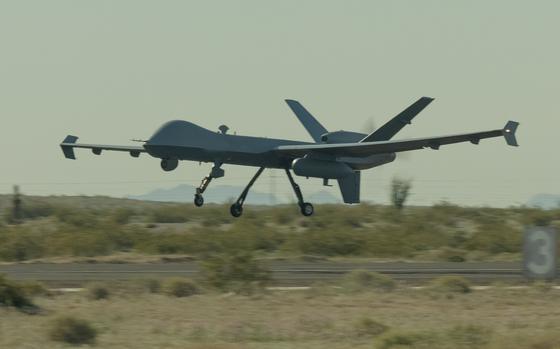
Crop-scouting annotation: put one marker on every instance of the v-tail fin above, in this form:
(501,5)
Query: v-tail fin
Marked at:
(314,127)
(391,128)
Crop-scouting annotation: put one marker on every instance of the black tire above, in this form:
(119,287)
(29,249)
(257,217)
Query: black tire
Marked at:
(236,210)
(307,209)
(198,200)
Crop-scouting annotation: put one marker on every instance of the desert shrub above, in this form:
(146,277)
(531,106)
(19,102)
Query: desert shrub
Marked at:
(400,190)
(320,289)
(407,340)
(283,216)
(230,272)
(452,255)
(20,245)
(495,238)
(37,209)
(180,287)
(34,288)
(363,280)
(97,291)
(469,336)
(72,331)
(13,294)
(450,284)
(331,242)
(75,217)
(152,285)
(542,286)
(170,214)
(121,216)
(369,327)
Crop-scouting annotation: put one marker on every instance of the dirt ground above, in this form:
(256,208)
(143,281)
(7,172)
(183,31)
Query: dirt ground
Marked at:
(321,317)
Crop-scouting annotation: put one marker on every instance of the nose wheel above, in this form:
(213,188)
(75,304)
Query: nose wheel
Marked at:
(216,172)
(198,200)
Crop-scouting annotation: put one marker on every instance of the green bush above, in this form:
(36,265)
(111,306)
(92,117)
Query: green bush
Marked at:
(76,217)
(13,294)
(469,336)
(36,210)
(363,280)
(34,288)
(331,242)
(98,291)
(451,284)
(232,272)
(369,327)
(121,216)
(170,214)
(180,287)
(152,285)
(20,245)
(98,226)
(72,331)
(408,340)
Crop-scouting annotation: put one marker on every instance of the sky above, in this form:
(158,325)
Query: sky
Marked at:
(111,71)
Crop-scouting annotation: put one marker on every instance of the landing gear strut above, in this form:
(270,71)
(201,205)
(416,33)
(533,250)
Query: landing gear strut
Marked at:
(216,172)
(305,208)
(236,209)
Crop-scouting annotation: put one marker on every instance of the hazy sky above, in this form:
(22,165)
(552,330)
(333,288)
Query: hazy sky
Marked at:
(110,71)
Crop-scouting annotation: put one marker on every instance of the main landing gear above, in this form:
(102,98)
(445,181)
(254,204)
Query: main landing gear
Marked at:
(305,208)
(236,209)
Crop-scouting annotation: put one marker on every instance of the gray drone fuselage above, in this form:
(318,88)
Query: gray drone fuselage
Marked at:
(183,140)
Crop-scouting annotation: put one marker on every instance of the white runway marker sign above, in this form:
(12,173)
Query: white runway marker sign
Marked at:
(540,253)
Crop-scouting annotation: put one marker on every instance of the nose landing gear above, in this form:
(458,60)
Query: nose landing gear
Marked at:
(216,172)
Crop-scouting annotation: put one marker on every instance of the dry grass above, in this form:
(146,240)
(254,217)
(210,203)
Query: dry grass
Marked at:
(498,318)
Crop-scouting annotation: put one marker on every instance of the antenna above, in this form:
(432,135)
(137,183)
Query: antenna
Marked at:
(223,129)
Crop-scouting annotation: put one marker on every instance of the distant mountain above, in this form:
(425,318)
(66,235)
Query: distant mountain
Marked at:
(225,193)
(546,201)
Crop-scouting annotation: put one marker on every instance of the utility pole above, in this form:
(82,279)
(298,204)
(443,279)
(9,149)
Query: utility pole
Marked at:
(16,206)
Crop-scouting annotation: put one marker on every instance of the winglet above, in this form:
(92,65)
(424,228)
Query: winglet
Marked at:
(67,146)
(314,127)
(509,133)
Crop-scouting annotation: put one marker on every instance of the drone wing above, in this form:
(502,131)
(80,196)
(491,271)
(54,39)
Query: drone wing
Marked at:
(369,148)
(69,143)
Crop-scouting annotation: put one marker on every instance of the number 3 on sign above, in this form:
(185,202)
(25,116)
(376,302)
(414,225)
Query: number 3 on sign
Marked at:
(540,252)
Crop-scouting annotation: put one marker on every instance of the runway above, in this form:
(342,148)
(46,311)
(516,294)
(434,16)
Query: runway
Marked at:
(284,273)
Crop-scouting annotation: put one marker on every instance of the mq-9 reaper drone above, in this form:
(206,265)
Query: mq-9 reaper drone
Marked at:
(339,155)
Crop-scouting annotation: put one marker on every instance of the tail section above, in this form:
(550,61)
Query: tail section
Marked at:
(350,188)
(391,128)
(314,127)
(509,133)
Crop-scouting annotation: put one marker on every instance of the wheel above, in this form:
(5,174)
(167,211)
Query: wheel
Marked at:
(198,200)
(306,209)
(236,210)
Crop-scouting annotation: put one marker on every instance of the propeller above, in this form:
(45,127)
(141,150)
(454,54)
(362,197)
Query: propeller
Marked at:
(370,125)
